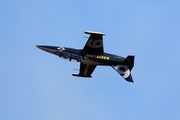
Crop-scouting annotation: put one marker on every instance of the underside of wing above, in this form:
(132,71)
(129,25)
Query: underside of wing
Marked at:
(94,43)
(85,70)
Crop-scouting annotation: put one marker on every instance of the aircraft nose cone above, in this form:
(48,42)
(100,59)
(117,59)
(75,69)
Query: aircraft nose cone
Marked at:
(50,49)
(39,46)
(45,48)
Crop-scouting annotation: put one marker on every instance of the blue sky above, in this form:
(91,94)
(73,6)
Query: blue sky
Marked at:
(35,85)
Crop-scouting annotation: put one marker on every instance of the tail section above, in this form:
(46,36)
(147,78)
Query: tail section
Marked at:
(125,69)
(129,61)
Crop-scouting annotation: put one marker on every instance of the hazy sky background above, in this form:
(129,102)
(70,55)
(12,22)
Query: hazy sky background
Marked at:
(36,85)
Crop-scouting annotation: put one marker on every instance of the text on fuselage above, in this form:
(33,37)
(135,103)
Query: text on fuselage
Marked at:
(97,56)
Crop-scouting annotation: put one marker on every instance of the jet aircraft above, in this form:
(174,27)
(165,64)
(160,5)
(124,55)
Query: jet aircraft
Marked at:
(92,55)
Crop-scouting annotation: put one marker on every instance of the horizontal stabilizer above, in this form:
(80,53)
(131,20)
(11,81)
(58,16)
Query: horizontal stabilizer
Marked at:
(124,71)
(129,79)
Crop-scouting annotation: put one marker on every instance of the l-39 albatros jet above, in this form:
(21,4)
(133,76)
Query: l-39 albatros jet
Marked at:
(92,55)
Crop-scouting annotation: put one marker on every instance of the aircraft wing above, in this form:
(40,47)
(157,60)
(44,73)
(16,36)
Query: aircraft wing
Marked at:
(85,70)
(94,43)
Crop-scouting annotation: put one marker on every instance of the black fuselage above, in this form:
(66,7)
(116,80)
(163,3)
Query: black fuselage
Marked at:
(91,58)
(93,55)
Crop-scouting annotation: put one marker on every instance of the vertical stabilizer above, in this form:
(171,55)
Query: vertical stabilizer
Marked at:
(129,61)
